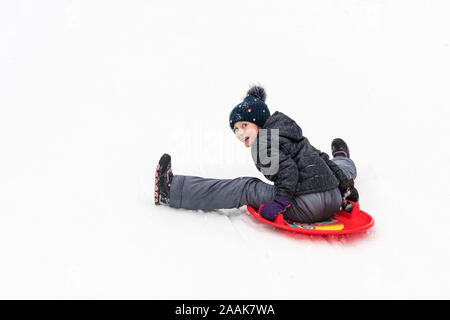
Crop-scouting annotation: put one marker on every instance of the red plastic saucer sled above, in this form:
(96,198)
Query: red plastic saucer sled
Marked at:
(342,223)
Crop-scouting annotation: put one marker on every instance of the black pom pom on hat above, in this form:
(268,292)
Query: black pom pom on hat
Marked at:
(252,109)
(257,92)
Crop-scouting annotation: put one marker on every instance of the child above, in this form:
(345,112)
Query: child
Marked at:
(308,186)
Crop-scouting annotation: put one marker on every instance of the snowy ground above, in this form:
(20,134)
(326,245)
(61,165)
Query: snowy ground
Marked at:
(92,93)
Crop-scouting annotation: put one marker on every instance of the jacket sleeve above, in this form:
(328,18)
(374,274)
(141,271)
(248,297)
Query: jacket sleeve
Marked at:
(286,178)
(340,175)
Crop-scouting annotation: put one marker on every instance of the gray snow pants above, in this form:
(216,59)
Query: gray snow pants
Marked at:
(197,193)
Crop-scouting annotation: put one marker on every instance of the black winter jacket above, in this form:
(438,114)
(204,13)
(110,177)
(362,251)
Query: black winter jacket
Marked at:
(302,168)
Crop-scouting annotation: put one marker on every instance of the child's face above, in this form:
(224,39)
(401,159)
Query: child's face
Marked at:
(246,132)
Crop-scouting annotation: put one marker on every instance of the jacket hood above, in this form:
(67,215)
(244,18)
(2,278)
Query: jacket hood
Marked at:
(288,128)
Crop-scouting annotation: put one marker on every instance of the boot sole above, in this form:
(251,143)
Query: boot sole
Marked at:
(161,169)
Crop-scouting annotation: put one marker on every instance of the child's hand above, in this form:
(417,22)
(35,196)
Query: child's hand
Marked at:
(345,187)
(347,184)
(271,209)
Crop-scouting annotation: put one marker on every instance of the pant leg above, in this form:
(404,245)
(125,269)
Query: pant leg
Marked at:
(321,206)
(314,207)
(197,193)
(347,165)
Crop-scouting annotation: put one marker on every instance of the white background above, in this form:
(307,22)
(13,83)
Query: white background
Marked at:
(92,93)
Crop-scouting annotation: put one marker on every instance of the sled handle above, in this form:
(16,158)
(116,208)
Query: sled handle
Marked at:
(355,211)
(279,219)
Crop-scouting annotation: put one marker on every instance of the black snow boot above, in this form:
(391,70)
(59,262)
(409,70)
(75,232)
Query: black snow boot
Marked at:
(339,148)
(163,180)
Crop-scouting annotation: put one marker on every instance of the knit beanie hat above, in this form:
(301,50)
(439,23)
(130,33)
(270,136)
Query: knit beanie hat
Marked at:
(252,108)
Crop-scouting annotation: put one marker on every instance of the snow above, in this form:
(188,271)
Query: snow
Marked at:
(93,93)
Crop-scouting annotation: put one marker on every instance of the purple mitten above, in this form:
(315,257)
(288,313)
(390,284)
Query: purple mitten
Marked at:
(271,209)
